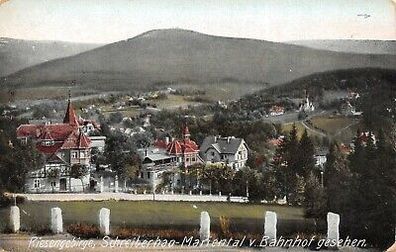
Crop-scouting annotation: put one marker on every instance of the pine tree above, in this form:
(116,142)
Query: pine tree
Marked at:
(337,179)
(371,211)
(306,156)
(286,161)
(315,198)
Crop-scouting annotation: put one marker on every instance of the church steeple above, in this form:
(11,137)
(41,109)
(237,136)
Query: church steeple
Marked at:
(70,116)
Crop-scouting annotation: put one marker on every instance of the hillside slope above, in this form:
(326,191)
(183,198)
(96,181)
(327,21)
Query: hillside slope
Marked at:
(180,56)
(351,46)
(17,54)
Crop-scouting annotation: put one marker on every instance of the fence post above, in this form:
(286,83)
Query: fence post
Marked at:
(101,186)
(333,222)
(204,231)
(15,219)
(56,220)
(270,225)
(116,184)
(104,221)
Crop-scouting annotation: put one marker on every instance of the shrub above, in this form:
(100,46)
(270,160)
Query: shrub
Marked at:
(82,230)
(224,225)
(149,233)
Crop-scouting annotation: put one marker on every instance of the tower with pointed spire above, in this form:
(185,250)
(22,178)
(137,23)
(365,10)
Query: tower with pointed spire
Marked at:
(62,145)
(70,116)
(186,133)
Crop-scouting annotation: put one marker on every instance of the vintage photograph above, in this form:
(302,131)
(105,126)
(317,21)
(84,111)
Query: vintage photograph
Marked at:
(198,125)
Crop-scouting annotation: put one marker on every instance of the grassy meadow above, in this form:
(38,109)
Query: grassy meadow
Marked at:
(149,214)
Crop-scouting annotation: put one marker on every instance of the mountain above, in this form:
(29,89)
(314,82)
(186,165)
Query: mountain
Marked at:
(180,56)
(351,46)
(17,54)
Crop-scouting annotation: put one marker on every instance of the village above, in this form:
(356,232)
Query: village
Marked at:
(73,148)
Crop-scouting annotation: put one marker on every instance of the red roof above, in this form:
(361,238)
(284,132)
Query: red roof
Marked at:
(160,144)
(177,147)
(70,116)
(57,131)
(48,149)
(64,135)
(76,140)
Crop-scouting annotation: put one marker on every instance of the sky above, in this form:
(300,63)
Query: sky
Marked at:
(105,21)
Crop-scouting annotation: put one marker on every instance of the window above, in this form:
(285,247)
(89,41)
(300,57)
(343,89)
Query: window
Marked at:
(82,154)
(148,175)
(36,183)
(53,184)
(24,140)
(74,154)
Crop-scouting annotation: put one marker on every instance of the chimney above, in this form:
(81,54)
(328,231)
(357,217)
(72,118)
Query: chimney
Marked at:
(166,140)
(228,139)
(215,139)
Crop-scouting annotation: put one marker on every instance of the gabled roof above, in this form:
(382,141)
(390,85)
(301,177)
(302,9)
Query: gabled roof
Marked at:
(50,149)
(46,135)
(179,147)
(226,145)
(76,140)
(57,131)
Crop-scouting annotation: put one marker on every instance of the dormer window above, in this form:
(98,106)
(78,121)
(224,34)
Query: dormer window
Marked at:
(47,143)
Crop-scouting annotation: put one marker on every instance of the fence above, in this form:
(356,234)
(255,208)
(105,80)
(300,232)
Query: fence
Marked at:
(200,197)
(103,221)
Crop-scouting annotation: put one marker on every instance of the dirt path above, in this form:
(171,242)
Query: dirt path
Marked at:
(26,242)
(312,129)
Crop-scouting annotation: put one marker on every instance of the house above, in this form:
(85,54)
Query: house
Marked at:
(155,162)
(276,110)
(345,149)
(62,145)
(230,151)
(349,110)
(365,136)
(320,156)
(276,142)
(186,150)
(167,156)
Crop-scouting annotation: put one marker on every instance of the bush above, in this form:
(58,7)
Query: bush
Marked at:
(150,233)
(224,226)
(82,230)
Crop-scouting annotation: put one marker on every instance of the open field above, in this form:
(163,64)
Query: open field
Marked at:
(339,128)
(332,124)
(286,127)
(184,215)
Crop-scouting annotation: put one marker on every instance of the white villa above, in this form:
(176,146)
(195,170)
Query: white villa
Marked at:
(230,151)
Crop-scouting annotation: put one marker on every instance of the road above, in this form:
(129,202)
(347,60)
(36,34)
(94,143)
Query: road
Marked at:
(21,242)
